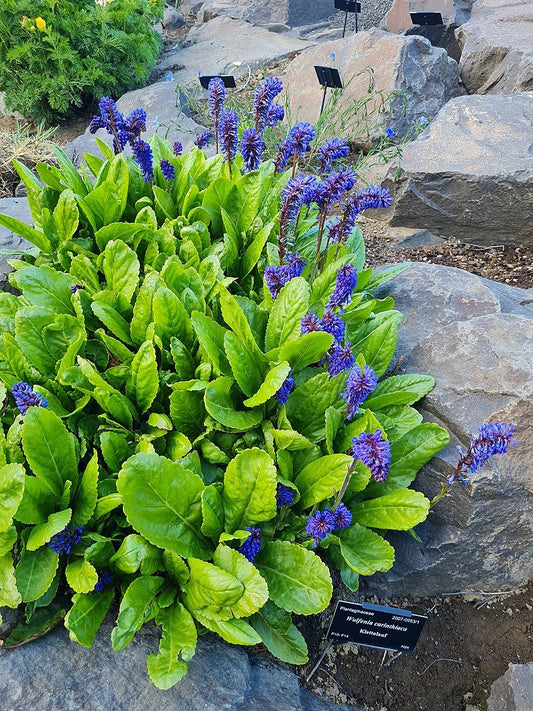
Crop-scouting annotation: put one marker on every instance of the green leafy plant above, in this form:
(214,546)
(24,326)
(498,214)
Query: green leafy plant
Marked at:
(55,56)
(172,436)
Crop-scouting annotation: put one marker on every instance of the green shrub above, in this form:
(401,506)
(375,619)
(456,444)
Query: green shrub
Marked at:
(55,56)
(182,438)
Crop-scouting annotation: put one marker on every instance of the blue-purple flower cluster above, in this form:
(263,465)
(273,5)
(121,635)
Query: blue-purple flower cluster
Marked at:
(65,540)
(104,578)
(321,523)
(277,276)
(25,397)
(252,148)
(285,390)
(252,545)
(360,384)
(296,144)
(374,451)
(264,111)
(228,135)
(284,495)
(492,438)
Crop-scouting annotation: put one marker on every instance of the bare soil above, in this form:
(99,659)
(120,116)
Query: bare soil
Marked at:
(467,643)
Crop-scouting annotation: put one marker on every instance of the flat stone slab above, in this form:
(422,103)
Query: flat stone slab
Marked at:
(514,690)
(475,337)
(268,12)
(19,208)
(470,173)
(55,674)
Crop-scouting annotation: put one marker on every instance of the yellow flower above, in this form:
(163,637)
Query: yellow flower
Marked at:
(41,24)
(24,20)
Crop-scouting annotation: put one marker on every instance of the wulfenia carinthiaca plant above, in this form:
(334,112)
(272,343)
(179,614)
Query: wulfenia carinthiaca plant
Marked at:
(198,418)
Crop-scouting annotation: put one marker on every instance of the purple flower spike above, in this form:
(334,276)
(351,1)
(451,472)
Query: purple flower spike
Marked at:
(251,546)
(264,95)
(65,541)
(330,151)
(26,398)
(493,438)
(284,495)
(144,157)
(296,144)
(319,525)
(217,96)
(344,286)
(228,127)
(251,148)
(310,323)
(104,578)
(340,359)
(203,139)
(167,169)
(76,287)
(342,517)
(359,386)
(135,124)
(331,323)
(177,148)
(373,450)
(283,393)
(276,113)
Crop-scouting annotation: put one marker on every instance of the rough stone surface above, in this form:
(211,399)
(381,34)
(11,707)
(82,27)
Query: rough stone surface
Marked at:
(214,47)
(54,674)
(19,208)
(470,173)
(514,690)
(172,19)
(497,47)
(161,103)
(268,12)
(425,75)
(452,11)
(477,342)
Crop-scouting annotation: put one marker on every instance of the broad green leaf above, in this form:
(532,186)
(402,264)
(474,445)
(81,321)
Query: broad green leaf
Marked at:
(236,631)
(365,422)
(235,317)
(276,617)
(254,250)
(143,382)
(385,274)
(66,216)
(162,501)
(249,494)
(400,510)
(176,568)
(81,576)
(324,284)
(308,403)
(41,622)
(220,404)
(211,590)
(290,648)
(105,504)
(333,421)
(183,360)
(142,310)
(365,551)
(298,581)
(35,572)
(322,478)
(245,367)
(121,268)
(29,326)
(37,502)
(115,449)
(187,412)
(11,492)
(36,237)
(9,594)
(87,614)
(212,512)
(398,420)
(112,320)
(44,286)
(171,318)
(287,312)
(291,440)
(275,378)
(376,340)
(137,599)
(177,646)
(255,592)
(211,338)
(306,350)
(86,494)
(49,449)
(131,553)
(399,390)
(408,455)
(43,532)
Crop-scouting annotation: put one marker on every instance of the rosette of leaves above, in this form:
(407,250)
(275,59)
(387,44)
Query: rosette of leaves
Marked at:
(163,436)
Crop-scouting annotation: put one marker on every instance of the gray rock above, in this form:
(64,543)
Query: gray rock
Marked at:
(481,190)
(268,12)
(514,690)
(164,116)
(497,47)
(420,73)
(406,238)
(452,11)
(216,46)
(459,329)
(54,674)
(172,19)
(19,208)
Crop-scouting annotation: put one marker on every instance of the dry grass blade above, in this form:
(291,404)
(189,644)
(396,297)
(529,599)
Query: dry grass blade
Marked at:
(29,146)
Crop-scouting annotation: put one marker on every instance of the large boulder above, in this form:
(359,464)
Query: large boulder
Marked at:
(54,674)
(18,208)
(398,17)
(292,13)
(497,47)
(470,173)
(419,74)
(514,690)
(218,45)
(475,337)
(164,116)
